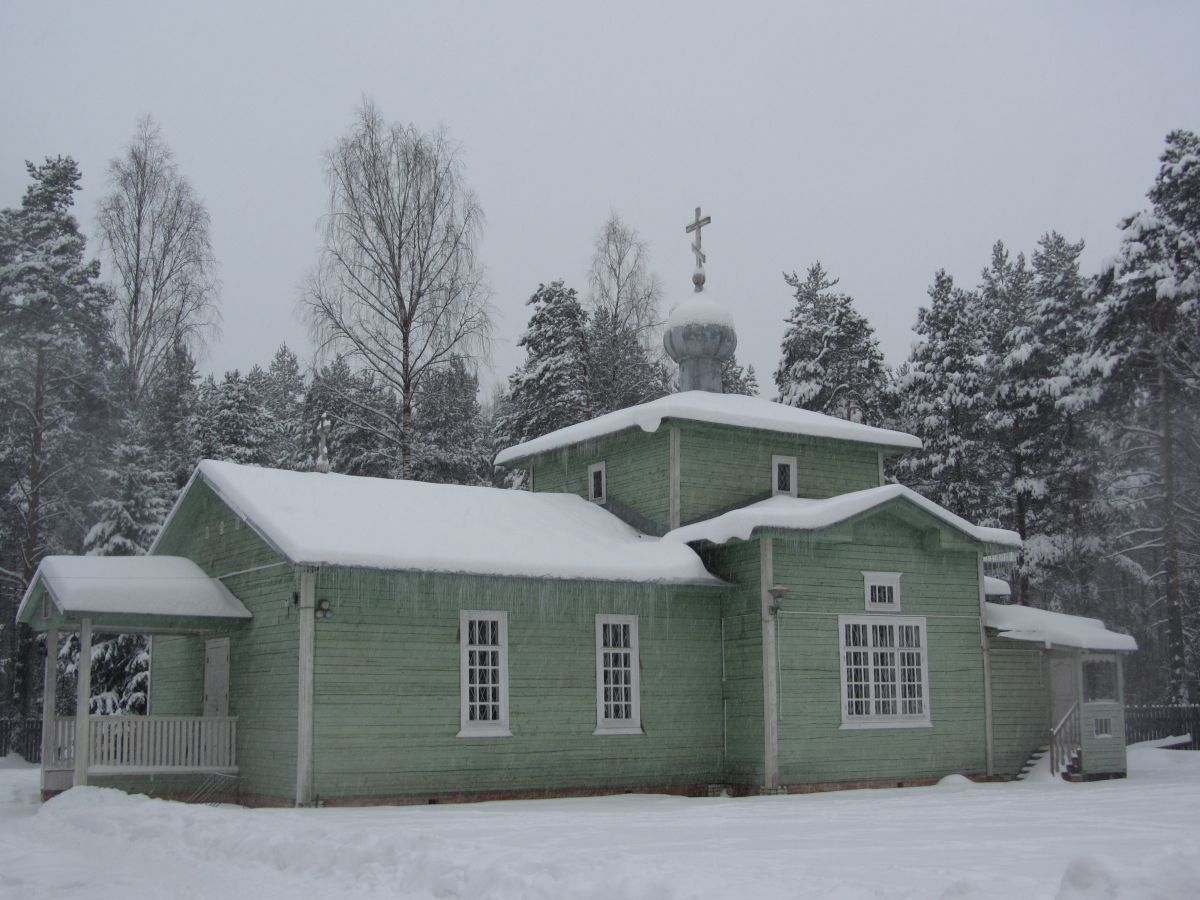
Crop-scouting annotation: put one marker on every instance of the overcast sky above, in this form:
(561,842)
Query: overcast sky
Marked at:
(886,140)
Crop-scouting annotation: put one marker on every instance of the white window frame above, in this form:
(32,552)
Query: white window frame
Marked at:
(881,580)
(497,727)
(776,462)
(592,470)
(633,724)
(872,719)
(1102,727)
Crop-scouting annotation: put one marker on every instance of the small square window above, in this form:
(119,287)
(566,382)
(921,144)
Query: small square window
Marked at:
(882,590)
(1103,727)
(597,483)
(783,476)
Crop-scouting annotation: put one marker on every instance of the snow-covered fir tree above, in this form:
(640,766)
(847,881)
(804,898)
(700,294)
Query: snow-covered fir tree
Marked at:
(621,370)
(279,392)
(56,359)
(449,435)
(364,415)
(944,399)
(551,388)
(830,360)
(738,379)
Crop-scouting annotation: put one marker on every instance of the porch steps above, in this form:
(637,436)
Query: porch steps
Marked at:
(1030,764)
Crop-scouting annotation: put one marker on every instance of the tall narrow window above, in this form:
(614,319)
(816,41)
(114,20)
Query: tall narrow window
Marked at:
(783,476)
(597,483)
(618,678)
(884,677)
(483,649)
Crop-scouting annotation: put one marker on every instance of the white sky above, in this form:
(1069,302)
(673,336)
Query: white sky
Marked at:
(886,140)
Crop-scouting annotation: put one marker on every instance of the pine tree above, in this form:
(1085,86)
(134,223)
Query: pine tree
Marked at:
(279,392)
(943,401)
(170,410)
(1147,348)
(56,361)
(551,388)
(622,372)
(831,361)
(230,424)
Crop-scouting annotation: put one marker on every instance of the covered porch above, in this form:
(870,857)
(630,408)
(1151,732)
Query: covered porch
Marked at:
(151,595)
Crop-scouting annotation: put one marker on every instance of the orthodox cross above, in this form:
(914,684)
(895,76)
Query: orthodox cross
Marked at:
(323,445)
(696,226)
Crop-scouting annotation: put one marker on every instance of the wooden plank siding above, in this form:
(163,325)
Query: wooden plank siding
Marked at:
(722,466)
(1020,702)
(738,563)
(824,580)
(263,664)
(387,687)
(637,471)
(1102,755)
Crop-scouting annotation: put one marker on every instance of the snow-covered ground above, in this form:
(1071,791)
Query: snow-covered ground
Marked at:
(1135,838)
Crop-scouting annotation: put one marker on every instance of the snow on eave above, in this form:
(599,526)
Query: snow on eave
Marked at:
(315,519)
(1041,626)
(717,409)
(154,586)
(798,514)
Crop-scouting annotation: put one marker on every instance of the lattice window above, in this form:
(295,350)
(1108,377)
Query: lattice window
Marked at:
(618,704)
(783,476)
(1102,727)
(882,590)
(884,679)
(483,645)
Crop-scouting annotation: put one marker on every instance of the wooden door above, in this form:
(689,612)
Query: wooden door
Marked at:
(216,677)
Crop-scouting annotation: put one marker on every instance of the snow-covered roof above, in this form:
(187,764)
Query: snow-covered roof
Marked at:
(721,409)
(330,519)
(133,585)
(797,514)
(1024,623)
(995,587)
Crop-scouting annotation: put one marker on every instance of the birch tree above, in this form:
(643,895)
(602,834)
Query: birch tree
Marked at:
(154,232)
(399,288)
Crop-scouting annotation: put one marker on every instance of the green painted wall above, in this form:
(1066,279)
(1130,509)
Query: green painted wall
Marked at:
(387,686)
(738,563)
(636,463)
(723,465)
(263,661)
(823,577)
(1020,703)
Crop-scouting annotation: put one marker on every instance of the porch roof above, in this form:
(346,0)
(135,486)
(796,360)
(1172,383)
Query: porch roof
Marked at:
(150,594)
(1024,623)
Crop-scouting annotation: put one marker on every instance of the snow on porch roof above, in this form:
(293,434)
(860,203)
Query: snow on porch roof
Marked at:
(799,514)
(383,523)
(132,585)
(1024,623)
(721,409)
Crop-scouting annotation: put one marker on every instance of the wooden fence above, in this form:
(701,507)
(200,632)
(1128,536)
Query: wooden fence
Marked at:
(1154,722)
(23,737)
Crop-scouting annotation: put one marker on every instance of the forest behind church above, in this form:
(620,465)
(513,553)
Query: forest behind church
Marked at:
(1060,403)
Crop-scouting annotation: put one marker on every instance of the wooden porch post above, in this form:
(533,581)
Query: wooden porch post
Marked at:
(988,723)
(49,692)
(83,696)
(304,709)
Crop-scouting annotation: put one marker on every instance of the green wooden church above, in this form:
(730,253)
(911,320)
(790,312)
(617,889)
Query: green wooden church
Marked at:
(705,592)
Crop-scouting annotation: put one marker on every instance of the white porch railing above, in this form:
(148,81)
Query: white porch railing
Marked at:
(150,744)
(1064,741)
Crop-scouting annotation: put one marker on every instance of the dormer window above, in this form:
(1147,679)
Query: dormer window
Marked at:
(783,476)
(597,483)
